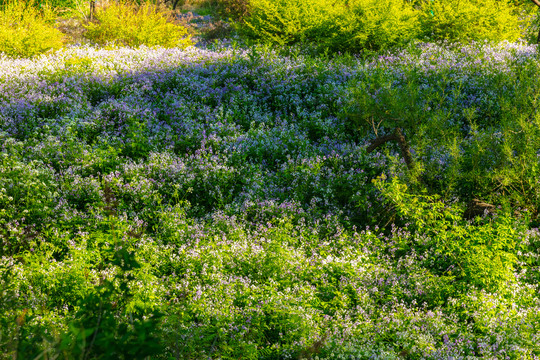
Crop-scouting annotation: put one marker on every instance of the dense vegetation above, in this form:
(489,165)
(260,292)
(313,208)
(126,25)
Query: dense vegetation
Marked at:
(233,201)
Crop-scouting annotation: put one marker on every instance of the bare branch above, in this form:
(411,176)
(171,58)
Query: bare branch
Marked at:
(398,136)
(536,2)
(405,150)
(381,140)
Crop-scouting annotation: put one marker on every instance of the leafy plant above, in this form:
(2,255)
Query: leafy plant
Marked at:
(480,254)
(131,25)
(285,21)
(370,25)
(105,326)
(27,192)
(344,26)
(470,20)
(26,30)
(55,4)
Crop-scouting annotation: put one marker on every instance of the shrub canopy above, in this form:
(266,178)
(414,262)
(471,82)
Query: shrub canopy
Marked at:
(26,30)
(132,25)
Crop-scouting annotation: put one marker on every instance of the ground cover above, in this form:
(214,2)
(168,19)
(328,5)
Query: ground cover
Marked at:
(222,203)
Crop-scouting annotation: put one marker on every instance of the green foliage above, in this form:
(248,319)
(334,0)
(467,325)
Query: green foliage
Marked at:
(114,316)
(344,26)
(481,254)
(531,18)
(358,25)
(202,204)
(26,31)
(27,192)
(487,150)
(130,25)
(470,20)
(379,105)
(287,21)
(9,319)
(108,323)
(370,25)
(55,4)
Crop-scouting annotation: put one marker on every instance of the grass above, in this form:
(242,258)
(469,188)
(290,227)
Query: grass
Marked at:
(222,203)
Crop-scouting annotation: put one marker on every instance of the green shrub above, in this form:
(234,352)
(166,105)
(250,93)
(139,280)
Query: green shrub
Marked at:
(286,21)
(372,25)
(481,253)
(132,25)
(27,194)
(26,31)
(378,104)
(343,26)
(357,25)
(62,4)
(486,149)
(470,20)
(111,321)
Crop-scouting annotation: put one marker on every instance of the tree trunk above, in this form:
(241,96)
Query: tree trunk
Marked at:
(92,9)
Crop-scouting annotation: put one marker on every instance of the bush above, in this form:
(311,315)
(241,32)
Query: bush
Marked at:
(286,21)
(132,25)
(357,25)
(470,20)
(26,31)
(63,4)
(372,25)
(343,26)
(479,253)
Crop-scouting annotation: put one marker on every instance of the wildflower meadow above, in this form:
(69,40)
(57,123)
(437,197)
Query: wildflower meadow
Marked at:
(251,201)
